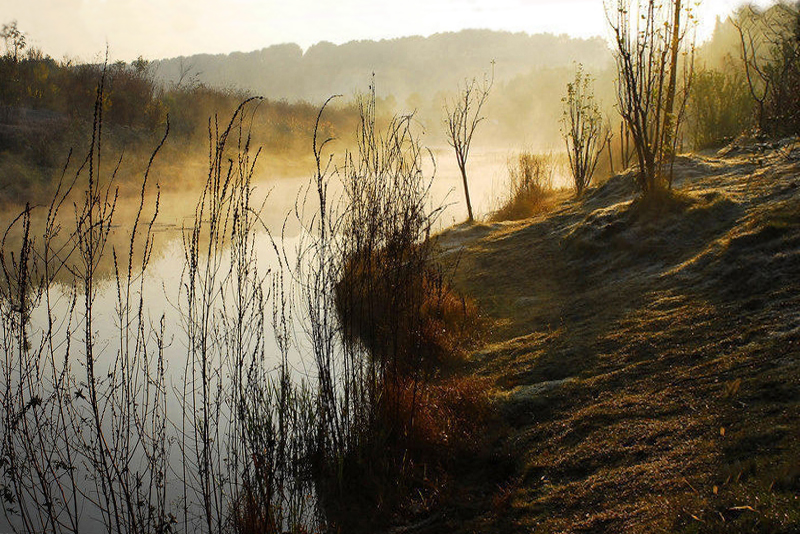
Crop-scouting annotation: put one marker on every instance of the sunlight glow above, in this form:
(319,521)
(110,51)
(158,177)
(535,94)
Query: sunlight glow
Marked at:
(167,28)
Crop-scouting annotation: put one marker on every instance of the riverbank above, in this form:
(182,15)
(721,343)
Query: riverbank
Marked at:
(645,358)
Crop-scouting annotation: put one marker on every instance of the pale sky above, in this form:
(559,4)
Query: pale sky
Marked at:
(157,29)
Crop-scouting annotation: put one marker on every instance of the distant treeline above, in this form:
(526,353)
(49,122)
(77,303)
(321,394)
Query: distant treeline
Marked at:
(403,67)
(47,108)
(46,105)
(417,74)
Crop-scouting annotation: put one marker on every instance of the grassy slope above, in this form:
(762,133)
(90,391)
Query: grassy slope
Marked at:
(646,359)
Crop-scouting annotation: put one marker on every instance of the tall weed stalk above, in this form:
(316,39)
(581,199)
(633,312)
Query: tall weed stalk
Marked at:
(92,431)
(370,288)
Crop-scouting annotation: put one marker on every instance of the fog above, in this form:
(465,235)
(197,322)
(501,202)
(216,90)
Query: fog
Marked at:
(166,121)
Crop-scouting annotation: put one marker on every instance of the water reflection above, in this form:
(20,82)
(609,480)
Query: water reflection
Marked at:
(153,325)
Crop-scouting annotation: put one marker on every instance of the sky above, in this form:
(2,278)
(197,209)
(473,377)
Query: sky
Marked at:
(80,29)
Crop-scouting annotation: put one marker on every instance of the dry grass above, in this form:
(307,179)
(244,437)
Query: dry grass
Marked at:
(430,418)
(646,357)
(530,187)
(450,416)
(415,316)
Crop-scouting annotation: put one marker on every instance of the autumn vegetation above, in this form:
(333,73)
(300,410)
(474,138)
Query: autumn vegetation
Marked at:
(46,108)
(442,368)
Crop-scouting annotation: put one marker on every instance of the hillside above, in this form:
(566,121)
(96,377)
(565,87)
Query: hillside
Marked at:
(417,74)
(646,358)
(403,66)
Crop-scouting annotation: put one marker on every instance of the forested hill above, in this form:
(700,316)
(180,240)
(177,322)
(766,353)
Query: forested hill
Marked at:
(403,67)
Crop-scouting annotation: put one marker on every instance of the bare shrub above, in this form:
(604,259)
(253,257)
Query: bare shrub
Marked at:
(652,55)
(244,427)
(530,187)
(582,129)
(87,435)
(383,320)
(770,52)
(81,436)
(364,253)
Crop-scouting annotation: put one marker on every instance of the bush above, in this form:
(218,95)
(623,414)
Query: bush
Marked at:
(530,187)
(720,108)
(385,327)
(419,324)
(770,50)
(583,130)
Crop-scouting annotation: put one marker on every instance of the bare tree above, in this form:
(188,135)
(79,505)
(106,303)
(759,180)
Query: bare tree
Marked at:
(186,74)
(582,129)
(770,52)
(463,115)
(652,55)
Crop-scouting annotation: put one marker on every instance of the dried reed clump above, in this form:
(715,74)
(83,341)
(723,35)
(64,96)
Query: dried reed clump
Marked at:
(449,416)
(530,187)
(423,325)
(384,325)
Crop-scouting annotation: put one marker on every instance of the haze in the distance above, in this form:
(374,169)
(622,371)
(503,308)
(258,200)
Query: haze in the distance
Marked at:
(156,29)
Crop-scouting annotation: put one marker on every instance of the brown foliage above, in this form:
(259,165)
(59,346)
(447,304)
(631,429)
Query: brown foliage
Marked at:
(530,188)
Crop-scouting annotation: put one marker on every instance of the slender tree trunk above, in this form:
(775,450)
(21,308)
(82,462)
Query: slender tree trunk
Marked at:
(610,157)
(669,118)
(466,190)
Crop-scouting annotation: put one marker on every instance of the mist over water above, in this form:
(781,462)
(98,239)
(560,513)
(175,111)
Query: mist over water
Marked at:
(235,331)
(162,286)
(487,174)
